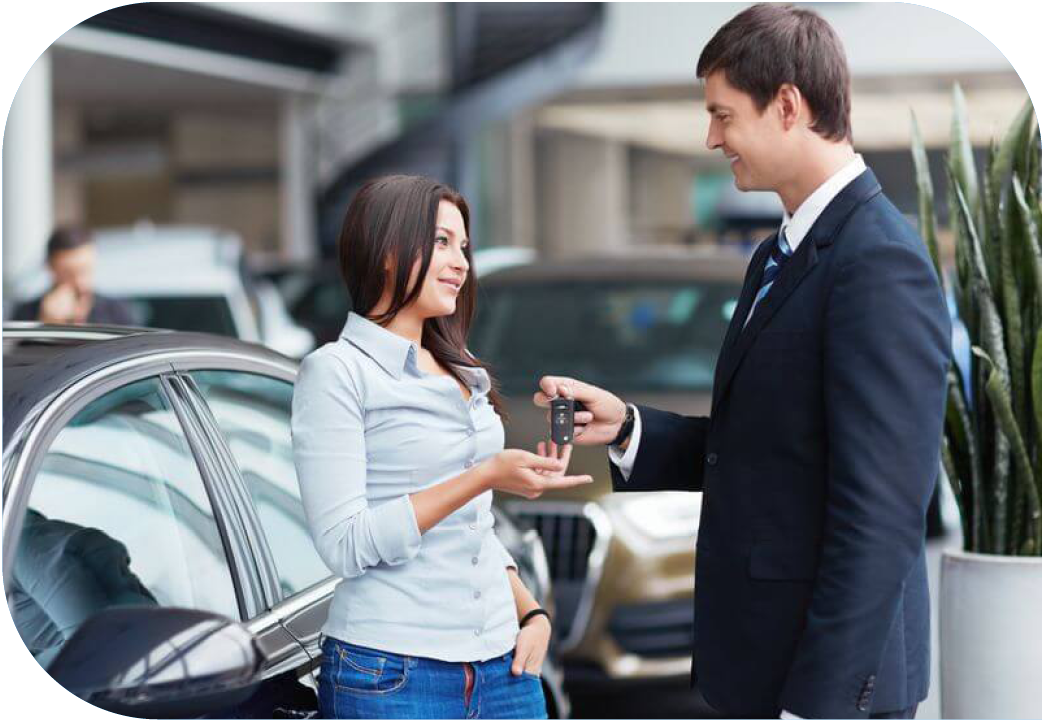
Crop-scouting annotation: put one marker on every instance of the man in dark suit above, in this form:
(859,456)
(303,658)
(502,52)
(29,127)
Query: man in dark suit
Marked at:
(821,451)
(71,259)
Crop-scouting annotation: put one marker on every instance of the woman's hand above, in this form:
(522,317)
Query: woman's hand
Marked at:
(599,424)
(532,644)
(530,475)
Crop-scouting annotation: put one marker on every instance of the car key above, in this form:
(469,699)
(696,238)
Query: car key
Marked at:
(562,419)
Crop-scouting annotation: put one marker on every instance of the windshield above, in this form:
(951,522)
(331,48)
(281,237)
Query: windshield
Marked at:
(642,336)
(195,313)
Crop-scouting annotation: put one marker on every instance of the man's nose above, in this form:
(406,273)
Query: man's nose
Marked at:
(712,139)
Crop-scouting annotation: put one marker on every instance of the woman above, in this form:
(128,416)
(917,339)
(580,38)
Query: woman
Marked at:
(398,444)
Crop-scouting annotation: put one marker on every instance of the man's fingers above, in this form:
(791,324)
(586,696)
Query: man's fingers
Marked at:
(541,448)
(584,417)
(566,454)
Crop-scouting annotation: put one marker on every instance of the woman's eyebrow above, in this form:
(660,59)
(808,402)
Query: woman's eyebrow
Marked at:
(442,227)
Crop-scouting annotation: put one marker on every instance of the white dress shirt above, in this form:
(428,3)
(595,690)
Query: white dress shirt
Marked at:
(795,228)
(370,429)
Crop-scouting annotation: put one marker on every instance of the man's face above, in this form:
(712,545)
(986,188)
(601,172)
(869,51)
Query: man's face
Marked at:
(75,268)
(752,141)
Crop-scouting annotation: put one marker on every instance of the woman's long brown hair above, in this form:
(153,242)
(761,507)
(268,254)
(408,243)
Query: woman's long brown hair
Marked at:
(395,217)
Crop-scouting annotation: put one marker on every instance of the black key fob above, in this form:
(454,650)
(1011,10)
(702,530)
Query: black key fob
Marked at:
(562,419)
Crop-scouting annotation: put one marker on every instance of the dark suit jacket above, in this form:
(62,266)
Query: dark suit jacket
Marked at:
(106,311)
(817,465)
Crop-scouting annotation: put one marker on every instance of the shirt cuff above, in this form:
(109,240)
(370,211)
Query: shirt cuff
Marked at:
(786,715)
(396,533)
(625,461)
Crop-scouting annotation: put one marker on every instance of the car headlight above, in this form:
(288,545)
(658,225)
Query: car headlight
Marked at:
(663,515)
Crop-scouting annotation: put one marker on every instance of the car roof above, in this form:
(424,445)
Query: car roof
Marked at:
(42,360)
(710,264)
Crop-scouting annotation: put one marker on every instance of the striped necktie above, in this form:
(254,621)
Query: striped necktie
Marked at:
(780,254)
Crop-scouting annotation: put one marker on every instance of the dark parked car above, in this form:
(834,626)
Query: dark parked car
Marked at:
(155,551)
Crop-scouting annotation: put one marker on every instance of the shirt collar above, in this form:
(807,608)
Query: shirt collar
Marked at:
(796,226)
(390,351)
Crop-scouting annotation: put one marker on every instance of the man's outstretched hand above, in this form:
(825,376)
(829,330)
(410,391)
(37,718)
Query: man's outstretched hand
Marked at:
(599,423)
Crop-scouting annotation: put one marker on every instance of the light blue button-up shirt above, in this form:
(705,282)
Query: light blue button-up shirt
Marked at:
(370,429)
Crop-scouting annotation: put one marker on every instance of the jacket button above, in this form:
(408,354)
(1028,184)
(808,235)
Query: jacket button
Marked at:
(711,458)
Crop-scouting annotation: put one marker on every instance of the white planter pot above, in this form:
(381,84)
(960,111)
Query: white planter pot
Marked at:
(990,636)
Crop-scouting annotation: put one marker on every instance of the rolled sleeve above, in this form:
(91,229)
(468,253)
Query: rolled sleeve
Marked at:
(330,457)
(507,558)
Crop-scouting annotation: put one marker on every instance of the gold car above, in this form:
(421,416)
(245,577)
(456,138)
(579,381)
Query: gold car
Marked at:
(647,327)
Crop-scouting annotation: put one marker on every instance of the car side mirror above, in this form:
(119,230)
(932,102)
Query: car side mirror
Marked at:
(159,662)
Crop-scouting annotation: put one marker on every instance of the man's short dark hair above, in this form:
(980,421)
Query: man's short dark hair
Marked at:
(66,238)
(767,45)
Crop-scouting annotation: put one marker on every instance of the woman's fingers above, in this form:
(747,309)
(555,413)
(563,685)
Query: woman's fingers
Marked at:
(567,481)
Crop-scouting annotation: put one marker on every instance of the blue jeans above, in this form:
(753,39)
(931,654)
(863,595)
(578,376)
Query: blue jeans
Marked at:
(357,682)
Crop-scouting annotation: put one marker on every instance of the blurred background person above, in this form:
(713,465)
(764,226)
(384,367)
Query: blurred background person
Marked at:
(72,259)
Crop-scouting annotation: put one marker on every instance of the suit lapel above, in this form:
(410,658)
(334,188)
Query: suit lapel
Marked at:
(753,277)
(821,234)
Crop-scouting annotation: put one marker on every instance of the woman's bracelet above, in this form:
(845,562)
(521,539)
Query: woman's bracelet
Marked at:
(532,614)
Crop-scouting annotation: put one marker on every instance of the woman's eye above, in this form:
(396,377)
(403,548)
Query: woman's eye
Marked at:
(441,240)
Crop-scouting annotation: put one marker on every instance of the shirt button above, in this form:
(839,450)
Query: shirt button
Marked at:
(477,594)
(469,463)
(473,526)
(711,458)
(477,632)
(470,431)
(473,561)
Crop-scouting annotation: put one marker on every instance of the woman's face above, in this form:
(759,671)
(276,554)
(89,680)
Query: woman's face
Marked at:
(448,269)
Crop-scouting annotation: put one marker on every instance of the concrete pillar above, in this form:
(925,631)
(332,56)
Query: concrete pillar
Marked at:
(660,197)
(583,194)
(298,241)
(522,204)
(28,196)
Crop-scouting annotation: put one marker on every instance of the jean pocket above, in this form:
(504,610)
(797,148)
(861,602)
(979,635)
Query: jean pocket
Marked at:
(369,672)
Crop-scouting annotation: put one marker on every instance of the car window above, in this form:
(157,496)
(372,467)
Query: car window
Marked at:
(253,412)
(624,336)
(118,515)
(195,313)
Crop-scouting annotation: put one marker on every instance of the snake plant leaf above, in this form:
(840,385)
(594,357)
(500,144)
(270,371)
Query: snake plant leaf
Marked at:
(960,151)
(1013,325)
(1000,472)
(1012,152)
(954,483)
(1029,234)
(964,440)
(1007,423)
(927,221)
(1036,385)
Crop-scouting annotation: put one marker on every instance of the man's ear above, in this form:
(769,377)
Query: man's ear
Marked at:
(790,106)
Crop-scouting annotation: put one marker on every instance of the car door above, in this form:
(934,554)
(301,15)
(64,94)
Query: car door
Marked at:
(249,411)
(118,509)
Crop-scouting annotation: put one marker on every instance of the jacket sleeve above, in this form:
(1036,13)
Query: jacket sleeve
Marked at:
(329,453)
(886,352)
(671,454)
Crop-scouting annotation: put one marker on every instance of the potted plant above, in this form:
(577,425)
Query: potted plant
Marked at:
(991,590)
